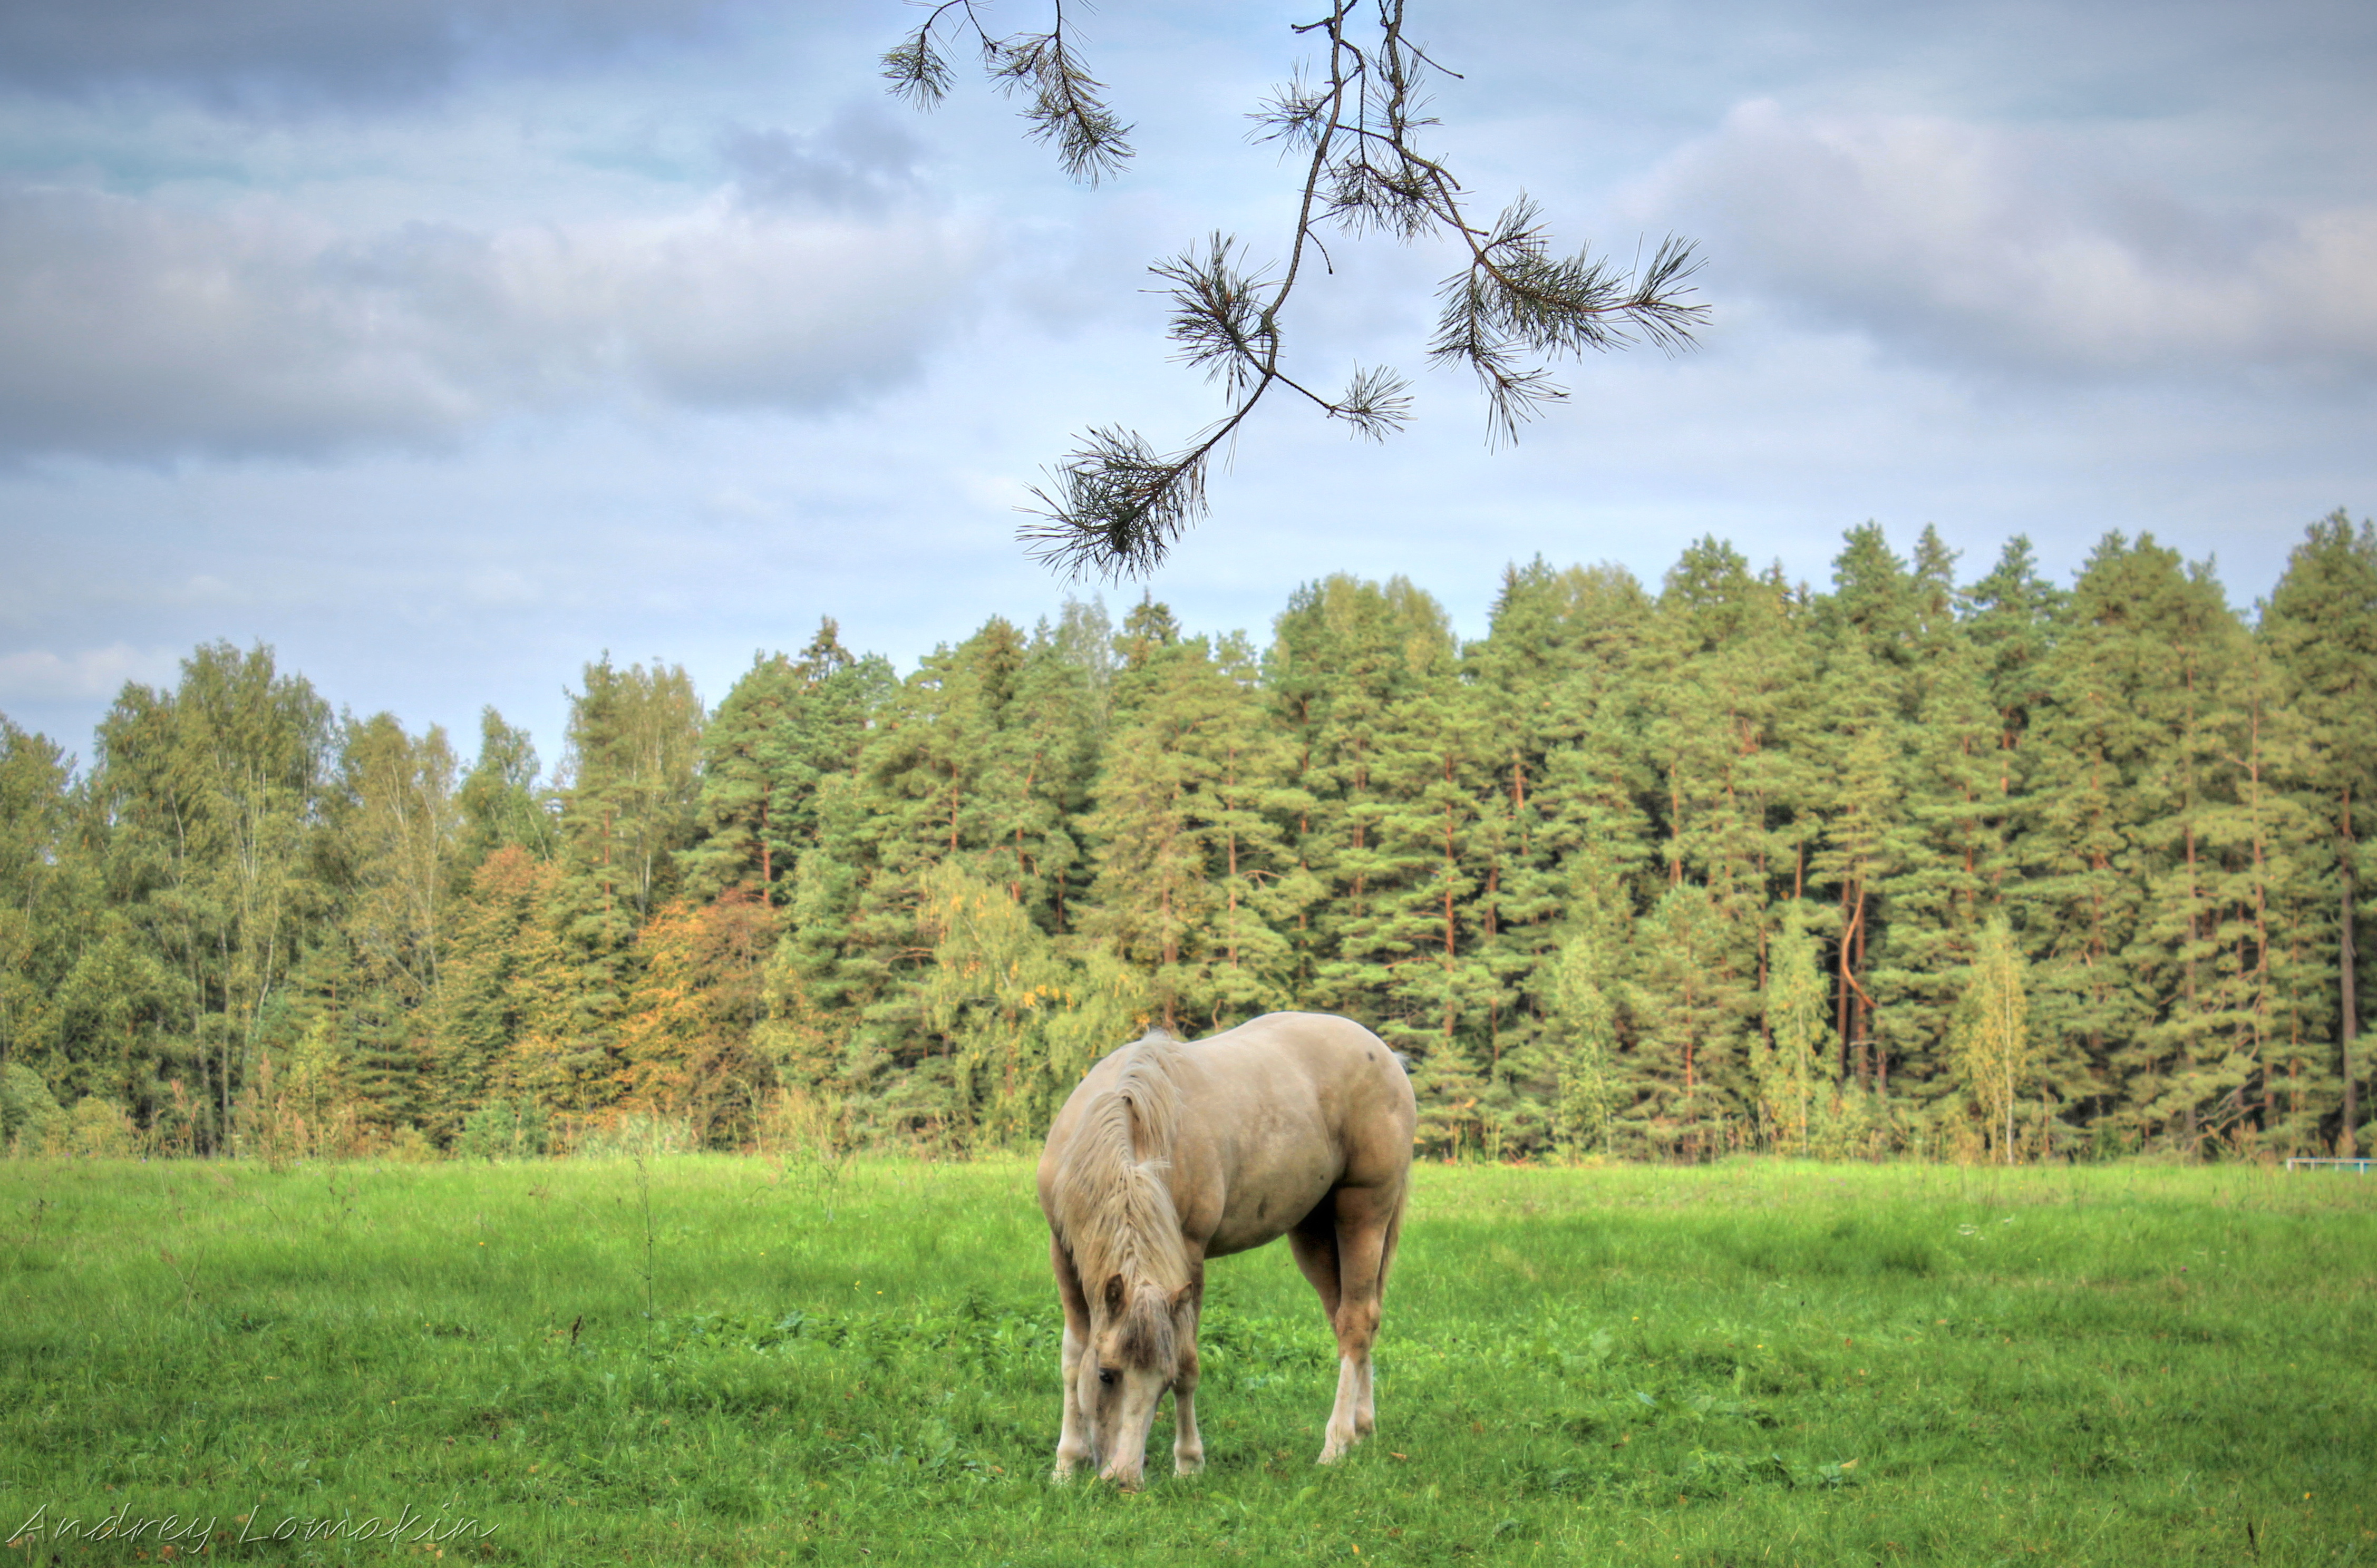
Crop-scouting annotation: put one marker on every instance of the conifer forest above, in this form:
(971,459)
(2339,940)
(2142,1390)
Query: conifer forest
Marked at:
(1995,869)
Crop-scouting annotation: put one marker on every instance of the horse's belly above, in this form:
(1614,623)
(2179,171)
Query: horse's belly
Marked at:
(1263,1203)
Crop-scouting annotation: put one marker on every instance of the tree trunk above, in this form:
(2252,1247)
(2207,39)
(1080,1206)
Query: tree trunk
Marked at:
(767,862)
(1840,1024)
(2348,961)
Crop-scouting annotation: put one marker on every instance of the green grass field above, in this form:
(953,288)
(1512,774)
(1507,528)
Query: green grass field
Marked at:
(730,1360)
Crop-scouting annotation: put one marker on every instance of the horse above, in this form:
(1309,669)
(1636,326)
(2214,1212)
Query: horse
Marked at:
(1166,1154)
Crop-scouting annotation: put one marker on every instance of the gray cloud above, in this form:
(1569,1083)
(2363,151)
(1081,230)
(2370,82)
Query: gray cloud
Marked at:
(863,160)
(136,329)
(2018,249)
(300,53)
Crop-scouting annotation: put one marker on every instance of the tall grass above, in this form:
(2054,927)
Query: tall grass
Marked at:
(706,1359)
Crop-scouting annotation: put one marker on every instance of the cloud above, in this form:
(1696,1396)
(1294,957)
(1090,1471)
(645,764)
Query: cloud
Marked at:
(284,54)
(137,330)
(2018,249)
(39,675)
(862,162)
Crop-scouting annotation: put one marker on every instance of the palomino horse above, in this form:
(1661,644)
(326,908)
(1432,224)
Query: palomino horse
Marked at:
(1296,1124)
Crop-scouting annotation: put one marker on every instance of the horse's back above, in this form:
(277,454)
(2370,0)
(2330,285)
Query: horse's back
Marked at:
(1295,1064)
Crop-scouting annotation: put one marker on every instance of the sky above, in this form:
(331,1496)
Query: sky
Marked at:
(447,344)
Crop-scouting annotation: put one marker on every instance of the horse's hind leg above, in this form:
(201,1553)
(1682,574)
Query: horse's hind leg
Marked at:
(1365,1242)
(1366,1410)
(1314,1242)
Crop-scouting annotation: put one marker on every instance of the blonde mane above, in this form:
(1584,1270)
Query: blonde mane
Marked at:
(1114,1207)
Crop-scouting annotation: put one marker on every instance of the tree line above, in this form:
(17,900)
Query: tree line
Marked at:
(1997,869)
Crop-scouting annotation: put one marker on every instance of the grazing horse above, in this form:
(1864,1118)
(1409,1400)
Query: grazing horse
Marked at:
(1296,1124)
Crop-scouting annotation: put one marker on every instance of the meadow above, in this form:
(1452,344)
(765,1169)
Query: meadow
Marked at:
(732,1361)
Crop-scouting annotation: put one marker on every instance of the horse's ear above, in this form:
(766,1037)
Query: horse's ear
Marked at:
(1114,1294)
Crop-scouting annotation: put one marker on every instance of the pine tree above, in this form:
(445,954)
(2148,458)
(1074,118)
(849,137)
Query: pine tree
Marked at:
(1952,843)
(787,728)
(1154,894)
(2015,618)
(2078,905)
(1862,844)
(926,767)
(2321,629)
(1689,1000)
(1721,686)
(1251,807)
(2179,784)
(1345,652)
(922,796)
(1036,782)
(2265,995)
(1869,626)
(746,840)
(1550,679)
(1421,937)
(1580,1042)
(1191,856)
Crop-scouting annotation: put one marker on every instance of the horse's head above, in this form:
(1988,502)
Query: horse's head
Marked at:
(1136,1332)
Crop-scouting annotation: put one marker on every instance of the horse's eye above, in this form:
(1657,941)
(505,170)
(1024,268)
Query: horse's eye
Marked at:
(1105,1376)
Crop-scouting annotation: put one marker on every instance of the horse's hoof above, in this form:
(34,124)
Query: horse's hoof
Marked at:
(1189,1464)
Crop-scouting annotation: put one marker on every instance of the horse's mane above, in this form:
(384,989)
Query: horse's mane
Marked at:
(1114,1207)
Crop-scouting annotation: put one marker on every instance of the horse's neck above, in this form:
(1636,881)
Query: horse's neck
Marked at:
(1123,1218)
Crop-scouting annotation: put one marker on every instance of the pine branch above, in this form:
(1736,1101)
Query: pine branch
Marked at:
(1112,508)
(1064,102)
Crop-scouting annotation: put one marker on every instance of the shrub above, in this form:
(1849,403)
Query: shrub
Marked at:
(27,1110)
(503,1129)
(638,1133)
(95,1127)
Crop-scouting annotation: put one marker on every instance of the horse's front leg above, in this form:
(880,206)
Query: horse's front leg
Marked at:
(1187,1443)
(1074,1444)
